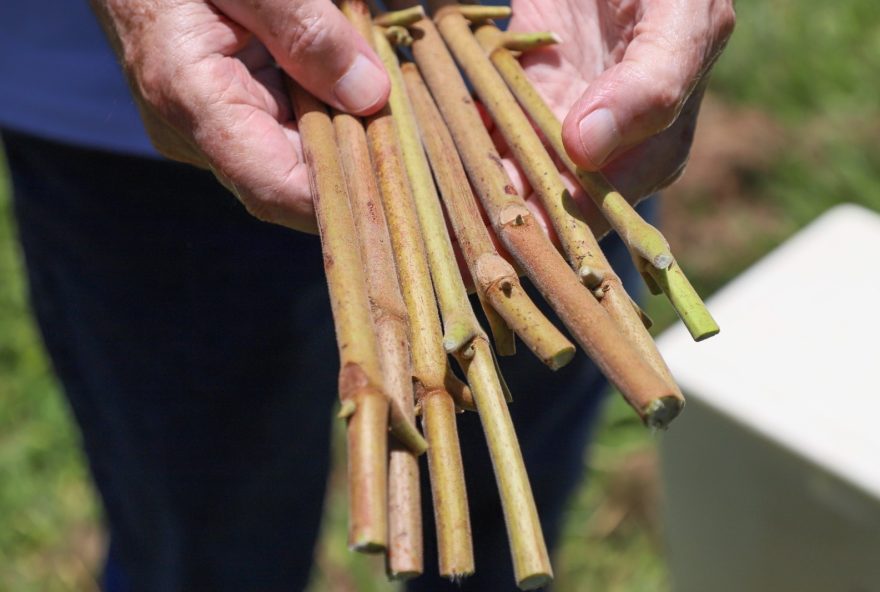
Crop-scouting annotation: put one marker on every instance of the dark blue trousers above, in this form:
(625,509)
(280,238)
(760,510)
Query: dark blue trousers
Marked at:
(196,348)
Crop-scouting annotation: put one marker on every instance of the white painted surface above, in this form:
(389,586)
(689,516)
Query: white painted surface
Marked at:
(772,473)
(798,356)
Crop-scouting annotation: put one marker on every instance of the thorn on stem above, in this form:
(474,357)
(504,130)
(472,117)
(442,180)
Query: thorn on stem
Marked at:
(591,277)
(398,36)
(347,409)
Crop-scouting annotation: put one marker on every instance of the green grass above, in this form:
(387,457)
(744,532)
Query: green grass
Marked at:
(46,502)
(807,66)
(811,65)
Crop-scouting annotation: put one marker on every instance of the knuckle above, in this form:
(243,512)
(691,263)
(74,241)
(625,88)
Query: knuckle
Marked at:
(256,206)
(662,95)
(665,102)
(257,209)
(725,22)
(151,79)
(308,34)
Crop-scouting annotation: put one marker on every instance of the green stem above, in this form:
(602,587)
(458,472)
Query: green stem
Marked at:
(640,237)
(531,561)
(430,362)
(478,13)
(495,279)
(528,41)
(685,300)
(466,339)
(624,361)
(400,18)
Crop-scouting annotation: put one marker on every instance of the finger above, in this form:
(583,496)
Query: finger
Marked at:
(674,45)
(252,151)
(314,43)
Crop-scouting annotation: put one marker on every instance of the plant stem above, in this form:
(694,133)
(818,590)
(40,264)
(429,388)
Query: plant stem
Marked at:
(477,12)
(527,41)
(578,241)
(466,339)
(575,236)
(404,551)
(400,18)
(687,303)
(588,323)
(388,310)
(642,238)
(359,376)
(431,371)
(430,362)
(531,561)
(494,277)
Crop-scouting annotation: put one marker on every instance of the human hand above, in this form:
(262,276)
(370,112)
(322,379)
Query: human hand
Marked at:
(627,79)
(204,77)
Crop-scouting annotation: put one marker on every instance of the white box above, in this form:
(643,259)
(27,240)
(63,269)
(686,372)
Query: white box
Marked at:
(772,473)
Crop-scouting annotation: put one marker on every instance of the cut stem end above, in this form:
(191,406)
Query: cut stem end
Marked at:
(535,581)
(660,412)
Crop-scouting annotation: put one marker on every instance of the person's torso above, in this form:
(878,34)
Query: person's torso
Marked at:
(60,80)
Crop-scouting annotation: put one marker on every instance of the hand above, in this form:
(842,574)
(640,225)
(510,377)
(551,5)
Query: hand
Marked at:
(627,78)
(204,77)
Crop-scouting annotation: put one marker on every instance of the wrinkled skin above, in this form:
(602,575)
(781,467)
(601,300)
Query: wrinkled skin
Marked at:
(644,61)
(204,76)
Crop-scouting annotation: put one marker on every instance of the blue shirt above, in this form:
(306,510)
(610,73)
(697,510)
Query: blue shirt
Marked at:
(60,80)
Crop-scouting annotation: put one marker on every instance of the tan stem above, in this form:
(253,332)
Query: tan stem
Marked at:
(404,552)
(400,18)
(579,242)
(359,376)
(389,313)
(460,392)
(618,359)
(465,338)
(367,450)
(430,362)
(451,518)
(637,234)
(477,12)
(494,277)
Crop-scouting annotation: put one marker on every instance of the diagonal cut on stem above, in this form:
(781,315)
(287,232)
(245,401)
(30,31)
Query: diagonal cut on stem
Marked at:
(495,278)
(588,323)
(578,241)
(650,249)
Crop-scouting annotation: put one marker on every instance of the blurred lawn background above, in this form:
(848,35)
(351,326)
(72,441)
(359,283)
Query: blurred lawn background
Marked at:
(790,128)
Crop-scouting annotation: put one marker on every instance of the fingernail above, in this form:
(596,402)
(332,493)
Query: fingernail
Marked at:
(599,135)
(360,87)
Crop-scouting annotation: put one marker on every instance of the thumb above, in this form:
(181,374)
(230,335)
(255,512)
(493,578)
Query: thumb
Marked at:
(674,47)
(317,46)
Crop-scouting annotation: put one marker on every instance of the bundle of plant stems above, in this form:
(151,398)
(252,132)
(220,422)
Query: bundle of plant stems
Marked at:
(386,191)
